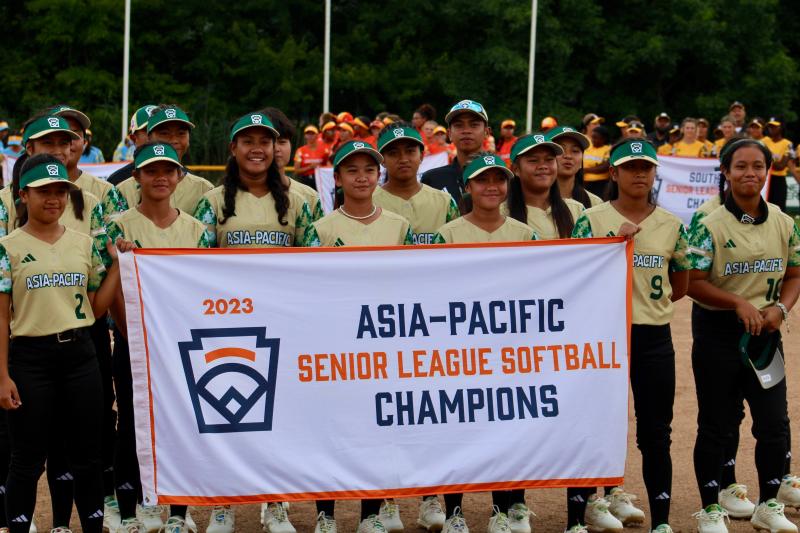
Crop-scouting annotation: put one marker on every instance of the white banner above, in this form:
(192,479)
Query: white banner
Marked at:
(346,373)
(101,170)
(326,186)
(684,183)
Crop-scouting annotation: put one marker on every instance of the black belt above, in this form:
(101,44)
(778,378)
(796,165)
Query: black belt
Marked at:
(69,335)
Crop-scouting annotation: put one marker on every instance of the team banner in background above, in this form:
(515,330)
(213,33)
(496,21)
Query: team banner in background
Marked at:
(684,183)
(347,373)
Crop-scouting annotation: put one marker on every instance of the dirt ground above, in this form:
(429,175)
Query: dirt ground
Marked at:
(550,504)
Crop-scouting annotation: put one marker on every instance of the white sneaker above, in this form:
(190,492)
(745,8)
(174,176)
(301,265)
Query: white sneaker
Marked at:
(789,491)
(111,516)
(456,523)
(275,520)
(598,518)
(769,517)
(33,528)
(577,528)
(175,524)
(734,500)
(130,525)
(662,528)
(498,523)
(60,530)
(190,525)
(620,504)
(325,524)
(150,516)
(711,519)
(389,515)
(519,518)
(371,524)
(221,520)
(431,515)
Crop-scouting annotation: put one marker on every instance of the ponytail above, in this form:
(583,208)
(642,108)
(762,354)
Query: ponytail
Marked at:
(579,191)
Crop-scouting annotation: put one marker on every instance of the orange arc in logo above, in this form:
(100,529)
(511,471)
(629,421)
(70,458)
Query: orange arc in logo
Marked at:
(230,352)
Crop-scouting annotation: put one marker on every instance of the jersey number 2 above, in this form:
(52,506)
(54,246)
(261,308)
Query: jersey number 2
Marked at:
(80,315)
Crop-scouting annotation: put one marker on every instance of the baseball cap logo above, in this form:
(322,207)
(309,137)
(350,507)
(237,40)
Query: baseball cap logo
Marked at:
(398,132)
(149,109)
(53,122)
(465,104)
(230,374)
(358,146)
(255,119)
(158,149)
(636,148)
(538,138)
(567,128)
(52,170)
(489,160)
(170,113)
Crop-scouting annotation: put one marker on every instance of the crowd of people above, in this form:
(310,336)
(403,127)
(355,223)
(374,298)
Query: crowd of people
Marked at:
(61,300)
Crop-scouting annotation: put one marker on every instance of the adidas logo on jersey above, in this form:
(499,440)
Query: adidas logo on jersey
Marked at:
(610,234)
(339,242)
(28,259)
(730,244)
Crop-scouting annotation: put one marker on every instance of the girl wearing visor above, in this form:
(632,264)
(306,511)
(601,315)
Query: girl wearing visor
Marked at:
(359,221)
(745,279)
(570,166)
(253,208)
(660,277)
(153,223)
(48,369)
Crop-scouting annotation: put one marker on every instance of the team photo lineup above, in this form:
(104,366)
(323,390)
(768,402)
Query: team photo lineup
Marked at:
(64,232)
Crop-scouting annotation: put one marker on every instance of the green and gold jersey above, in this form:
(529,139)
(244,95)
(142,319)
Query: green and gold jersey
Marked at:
(184,232)
(747,259)
(705,208)
(310,196)
(427,211)
(541,220)
(6,220)
(49,283)
(254,223)
(186,196)
(660,247)
(336,229)
(594,199)
(113,202)
(462,230)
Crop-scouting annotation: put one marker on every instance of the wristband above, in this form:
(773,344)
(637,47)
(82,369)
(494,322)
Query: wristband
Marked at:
(783,310)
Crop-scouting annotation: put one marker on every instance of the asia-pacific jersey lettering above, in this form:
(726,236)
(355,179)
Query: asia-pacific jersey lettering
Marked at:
(255,223)
(49,283)
(336,229)
(659,247)
(779,150)
(186,196)
(749,260)
(541,220)
(112,201)
(462,230)
(184,232)
(595,156)
(427,211)
(310,196)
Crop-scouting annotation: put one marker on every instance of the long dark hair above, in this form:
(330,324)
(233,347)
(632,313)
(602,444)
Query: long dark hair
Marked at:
(25,163)
(579,193)
(232,183)
(558,207)
(612,191)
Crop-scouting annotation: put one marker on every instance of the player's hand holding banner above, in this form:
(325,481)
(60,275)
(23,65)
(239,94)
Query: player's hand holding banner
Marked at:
(341,373)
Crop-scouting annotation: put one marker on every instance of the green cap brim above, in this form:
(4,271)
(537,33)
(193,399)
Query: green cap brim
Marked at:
(155,159)
(247,126)
(41,182)
(481,170)
(40,134)
(629,158)
(366,149)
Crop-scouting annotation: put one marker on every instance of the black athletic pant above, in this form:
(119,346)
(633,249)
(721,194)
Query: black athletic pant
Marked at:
(653,385)
(49,374)
(126,464)
(504,499)
(778,191)
(721,380)
(5,461)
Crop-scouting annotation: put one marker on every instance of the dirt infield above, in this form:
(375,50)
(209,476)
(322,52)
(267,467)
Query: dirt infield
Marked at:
(550,504)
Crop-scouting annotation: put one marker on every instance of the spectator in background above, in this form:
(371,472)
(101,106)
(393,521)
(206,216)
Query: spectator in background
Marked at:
(314,153)
(428,127)
(14,145)
(737,113)
(137,134)
(702,134)
(324,118)
(438,143)
(548,123)
(4,133)
(375,127)
(124,150)
(782,153)
(591,121)
(489,144)
(595,161)
(689,145)
(329,136)
(623,124)
(755,129)
(635,130)
(346,133)
(728,129)
(423,114)
(507,140)
(362,132)
(91,154)
(661,127)
(674,137)
(344,117)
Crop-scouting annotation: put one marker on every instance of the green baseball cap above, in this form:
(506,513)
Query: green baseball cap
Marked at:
(392,134)
(633,149)
(170,114)
(45,174)
(529,142)
(253,120)
(155,152)
(140,117)
(45,126)
(355,147)
(70,112)
(483,163)
(467,106)
(567,132)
